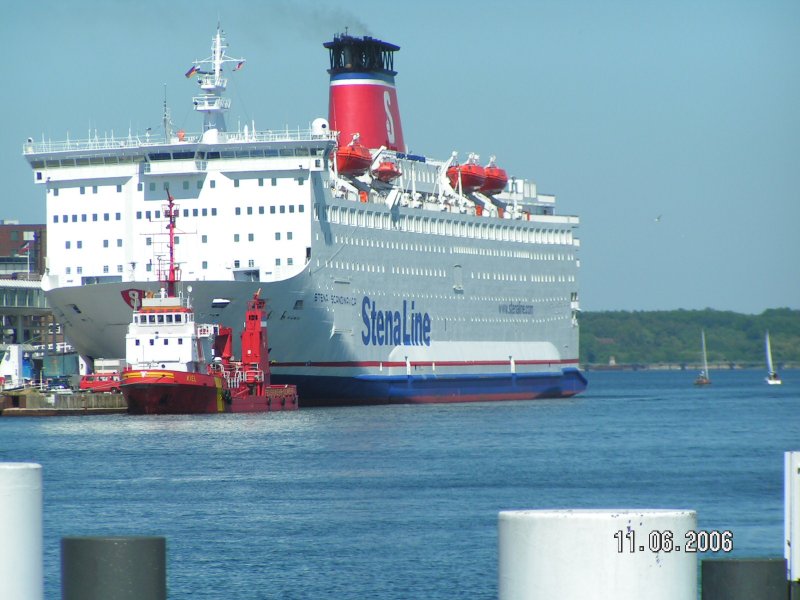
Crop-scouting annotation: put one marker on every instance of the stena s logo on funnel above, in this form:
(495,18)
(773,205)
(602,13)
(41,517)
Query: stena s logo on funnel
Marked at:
(387,106)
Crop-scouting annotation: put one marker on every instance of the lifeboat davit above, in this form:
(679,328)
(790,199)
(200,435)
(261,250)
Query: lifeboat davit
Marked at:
(386,171)
(353,159)
(470,176)
(496,179)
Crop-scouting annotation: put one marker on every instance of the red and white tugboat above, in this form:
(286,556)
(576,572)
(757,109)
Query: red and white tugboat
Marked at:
(167,371)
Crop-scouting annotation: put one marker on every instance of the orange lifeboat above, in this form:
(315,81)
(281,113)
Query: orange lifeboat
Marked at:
(496,179)
(353,159)
(470,176)
(386,171)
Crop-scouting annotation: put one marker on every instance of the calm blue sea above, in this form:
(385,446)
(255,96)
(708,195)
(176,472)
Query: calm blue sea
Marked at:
(398,502)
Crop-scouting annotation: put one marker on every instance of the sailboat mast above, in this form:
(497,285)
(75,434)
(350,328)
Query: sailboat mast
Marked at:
(705,360)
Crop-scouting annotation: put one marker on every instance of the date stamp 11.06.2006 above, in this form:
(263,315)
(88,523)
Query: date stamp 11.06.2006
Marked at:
(665,540)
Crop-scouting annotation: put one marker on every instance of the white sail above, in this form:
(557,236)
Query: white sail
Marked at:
(772,377)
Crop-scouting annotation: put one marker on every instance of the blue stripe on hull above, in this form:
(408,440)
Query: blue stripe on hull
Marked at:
(375,389)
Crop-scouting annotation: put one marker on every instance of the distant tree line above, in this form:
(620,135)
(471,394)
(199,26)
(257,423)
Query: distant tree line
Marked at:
(673,337)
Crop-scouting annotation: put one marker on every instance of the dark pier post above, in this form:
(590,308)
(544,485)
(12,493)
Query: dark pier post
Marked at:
(113,568)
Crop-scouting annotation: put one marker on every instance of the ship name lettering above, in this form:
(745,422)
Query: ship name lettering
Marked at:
(408,327)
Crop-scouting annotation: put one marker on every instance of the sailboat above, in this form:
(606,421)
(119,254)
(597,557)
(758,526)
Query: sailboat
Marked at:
(703,378)
(772,376)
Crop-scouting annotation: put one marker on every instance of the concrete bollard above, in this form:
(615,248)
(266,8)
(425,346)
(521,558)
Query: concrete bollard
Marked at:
(21,558)
(113,568)
(582,554)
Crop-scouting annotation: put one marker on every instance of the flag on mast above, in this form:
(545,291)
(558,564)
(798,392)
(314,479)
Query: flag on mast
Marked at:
(191,71)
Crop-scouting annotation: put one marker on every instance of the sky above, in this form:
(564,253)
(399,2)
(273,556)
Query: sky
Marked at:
(671,128)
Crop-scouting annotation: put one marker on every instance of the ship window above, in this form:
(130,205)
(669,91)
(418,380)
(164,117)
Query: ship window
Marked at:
(119,189)
(260,182)
(235,183)
(272,210)
(69,270)
(213,184)
(55,191)
(79,270)
(94,189)
(301,208)
(177,240)
(139,187)
(277,262)
(235,237)
(194,212)
(212,155)
(151,318)
(251,263)
(67,244)
(148,267)
(236,264)
(213,212)
(261,210)
(137,342)
(277,235)
(205,212)
(178,318)
(204,239)
(152,186)
(274,181)
(138,214)
(182,155)
(289,261)
(238,210)
(119,268)
(152,342)
(199,185)
(119,242)
(83,190)
(158,214)
(106,217)
(180,341)
(105,268)
(250,237)
(288,235)
(118,216)
(186,185)
(249,210)
(105,243)
(148,241)
(55,218)
(185,212)
(205,264)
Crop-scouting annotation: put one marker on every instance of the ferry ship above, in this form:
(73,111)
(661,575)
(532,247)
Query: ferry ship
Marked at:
(390,277)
